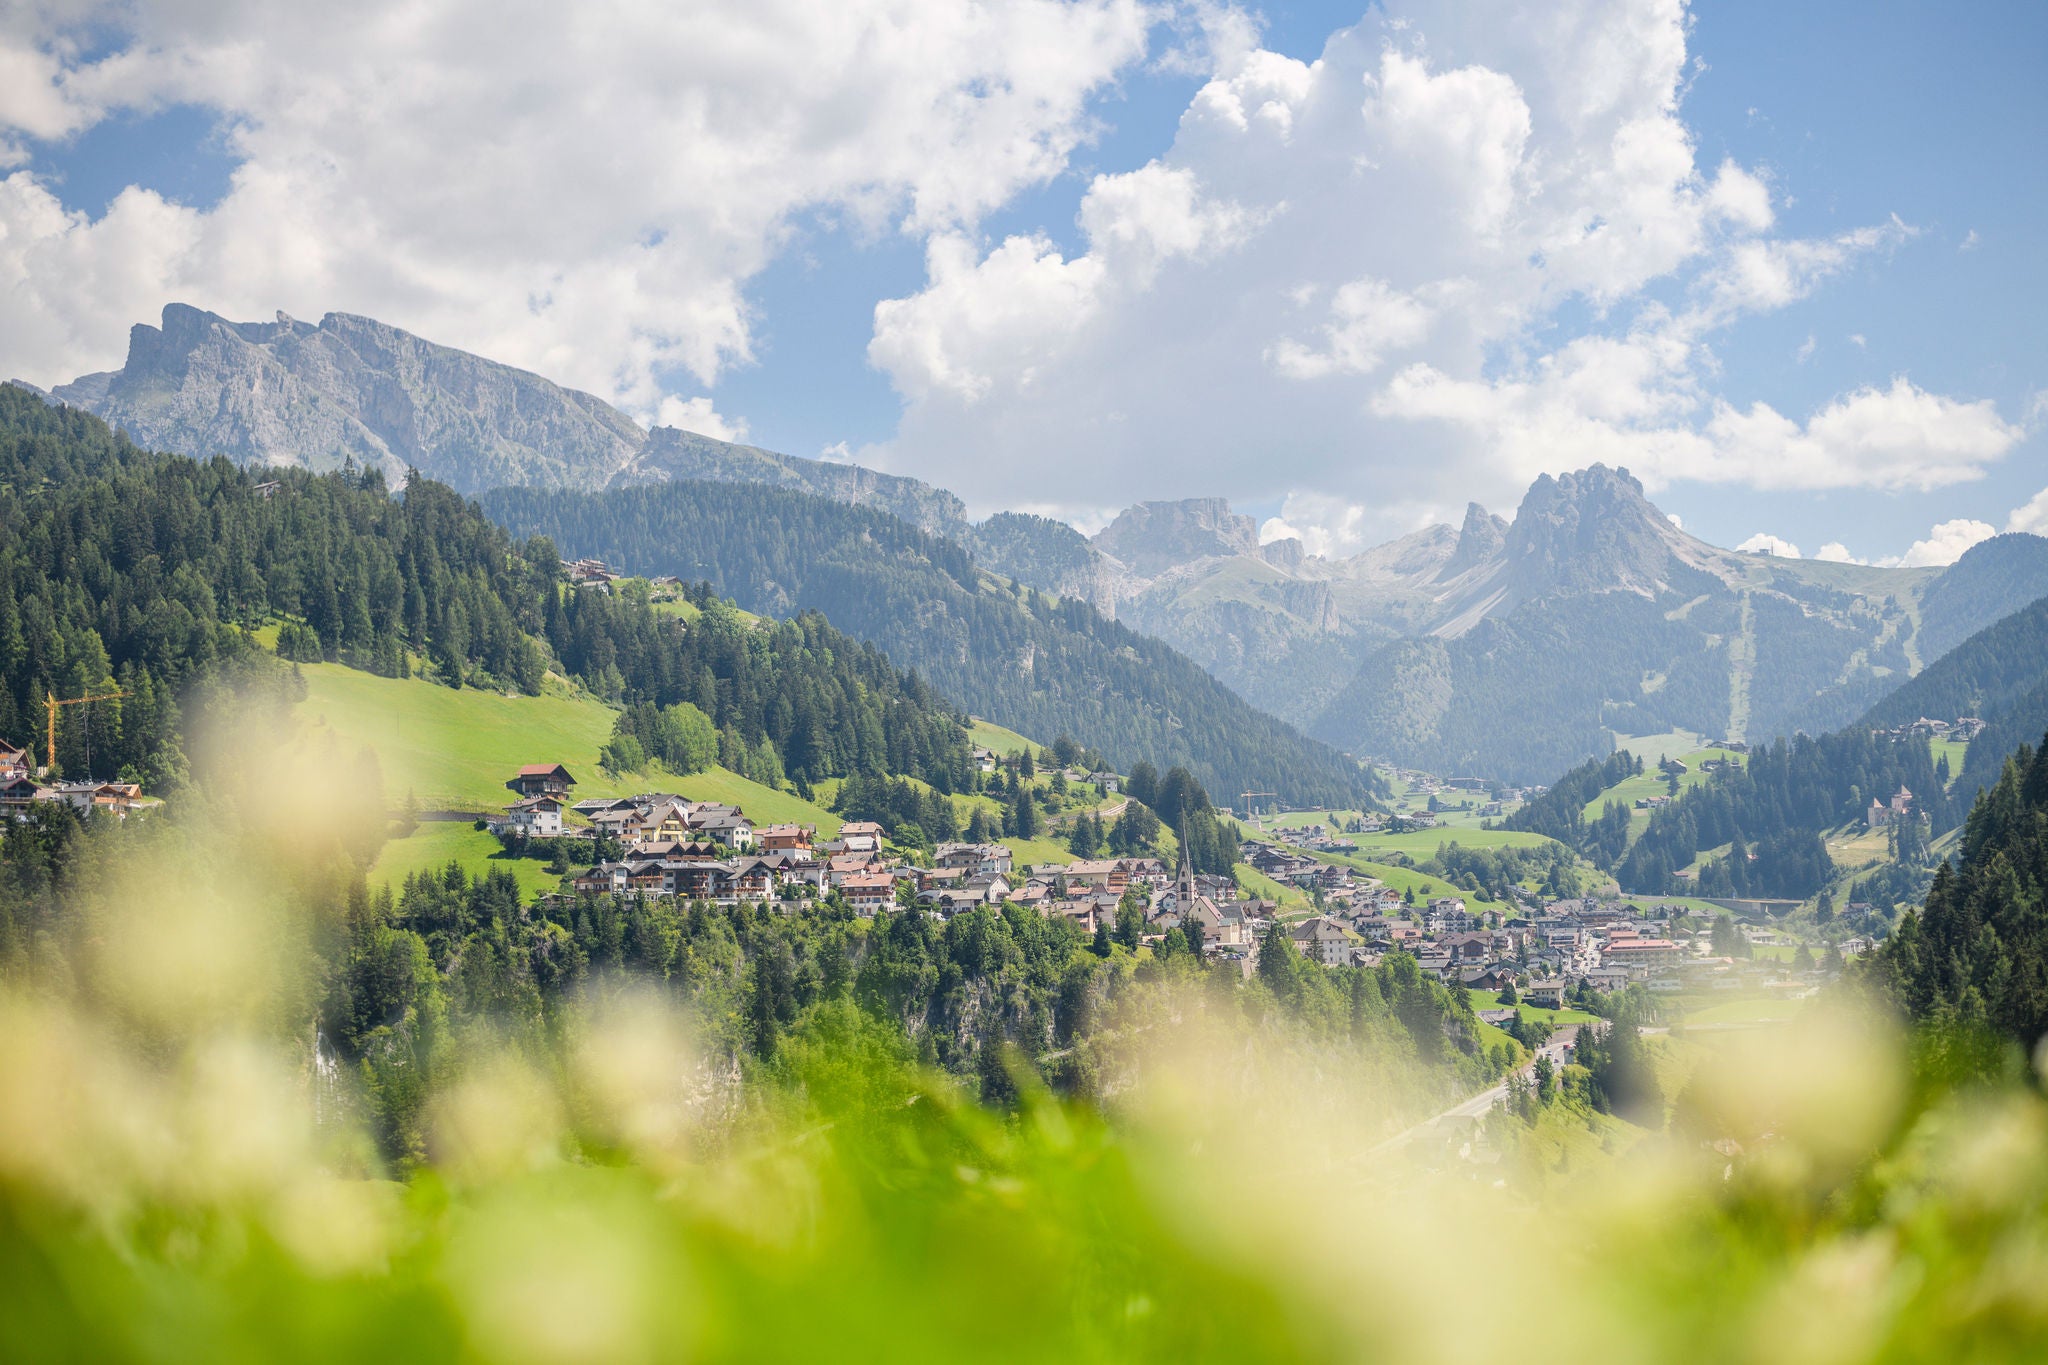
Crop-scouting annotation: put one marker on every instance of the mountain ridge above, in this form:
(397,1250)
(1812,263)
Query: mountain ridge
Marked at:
(1716,641)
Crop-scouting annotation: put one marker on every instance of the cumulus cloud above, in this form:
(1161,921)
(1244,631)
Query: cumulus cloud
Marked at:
(584,190)
(698,415)
(1756,276)
(2032,516)
(1900,437)
(1357,305)
(1945,544)
(1942,546)
(1764,543)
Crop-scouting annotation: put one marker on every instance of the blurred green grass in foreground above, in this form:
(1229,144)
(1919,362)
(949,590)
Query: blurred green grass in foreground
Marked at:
(619,1203)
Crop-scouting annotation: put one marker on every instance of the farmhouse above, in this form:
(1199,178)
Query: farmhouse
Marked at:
(542,779)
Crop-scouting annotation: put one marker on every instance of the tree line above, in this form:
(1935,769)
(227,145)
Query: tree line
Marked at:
(1026,661)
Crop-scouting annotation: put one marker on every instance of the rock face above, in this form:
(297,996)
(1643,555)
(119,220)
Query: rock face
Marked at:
(1590,531)
(1479,540)
(1155,536)
(674,454)
(291,393)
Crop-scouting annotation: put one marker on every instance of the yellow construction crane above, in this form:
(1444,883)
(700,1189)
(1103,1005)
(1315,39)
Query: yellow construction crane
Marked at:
(52,701)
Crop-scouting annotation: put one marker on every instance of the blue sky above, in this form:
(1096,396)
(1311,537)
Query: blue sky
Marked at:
(1852,114)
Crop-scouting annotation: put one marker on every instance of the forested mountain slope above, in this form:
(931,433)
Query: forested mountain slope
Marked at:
(1979,677)
(1013,655)
(1999,675)
(1992,580)
(1977,956)
(119,567)
(676,454)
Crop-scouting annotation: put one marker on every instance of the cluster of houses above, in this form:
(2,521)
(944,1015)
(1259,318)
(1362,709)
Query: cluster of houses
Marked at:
(1546,951)
(710,851)
(599,576)
(20,789)
(1963,729)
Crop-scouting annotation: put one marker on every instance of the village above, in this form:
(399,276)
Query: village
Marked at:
(1543,953)
(22,785)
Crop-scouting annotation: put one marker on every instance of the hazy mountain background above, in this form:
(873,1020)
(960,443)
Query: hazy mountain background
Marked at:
(1590,607)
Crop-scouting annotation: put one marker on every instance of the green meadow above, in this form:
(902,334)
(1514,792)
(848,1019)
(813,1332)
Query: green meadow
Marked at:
(996,739)
(435,844)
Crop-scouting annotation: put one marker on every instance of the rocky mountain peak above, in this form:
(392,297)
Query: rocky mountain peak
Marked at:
(1152,537)
(1287,554)
(1479,540)
(294,393)
(1587,531)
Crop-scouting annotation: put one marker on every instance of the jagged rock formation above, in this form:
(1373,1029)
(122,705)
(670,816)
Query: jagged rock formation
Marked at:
(1154,536)
(292,393)
(1590,608)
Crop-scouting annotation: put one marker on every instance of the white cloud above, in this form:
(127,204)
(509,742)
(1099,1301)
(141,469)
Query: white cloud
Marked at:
(1741,197)
(1757,276)
(1806,349)
(1373,248)
(1764,543)
(1324,525)
(584,189)
(1970,241)
(698,415)
(1010,316)
(1897,438)
(1944,544)
(2032,517)
(1367,319)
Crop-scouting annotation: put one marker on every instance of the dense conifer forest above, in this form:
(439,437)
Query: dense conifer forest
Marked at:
(125,570)
(1036,665)
(1772,812)
(1974,961)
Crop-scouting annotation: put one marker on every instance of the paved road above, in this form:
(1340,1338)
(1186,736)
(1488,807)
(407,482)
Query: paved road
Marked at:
(1479,1105)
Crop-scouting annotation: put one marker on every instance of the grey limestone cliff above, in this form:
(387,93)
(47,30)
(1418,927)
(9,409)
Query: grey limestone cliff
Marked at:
(293,393)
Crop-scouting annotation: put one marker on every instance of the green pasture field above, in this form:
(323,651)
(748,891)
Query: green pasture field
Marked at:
(1654,783)
(997,740)
(1422,844)
(1490,1000)
(454,749)
(434,844)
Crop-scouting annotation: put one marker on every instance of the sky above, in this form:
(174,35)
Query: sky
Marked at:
(1349,267)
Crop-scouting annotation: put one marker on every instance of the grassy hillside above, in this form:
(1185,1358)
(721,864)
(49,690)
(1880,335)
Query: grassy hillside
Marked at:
(433,845)
(1423,843)
(455,749)
(1401,878)
(996,739)
(1653,783)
